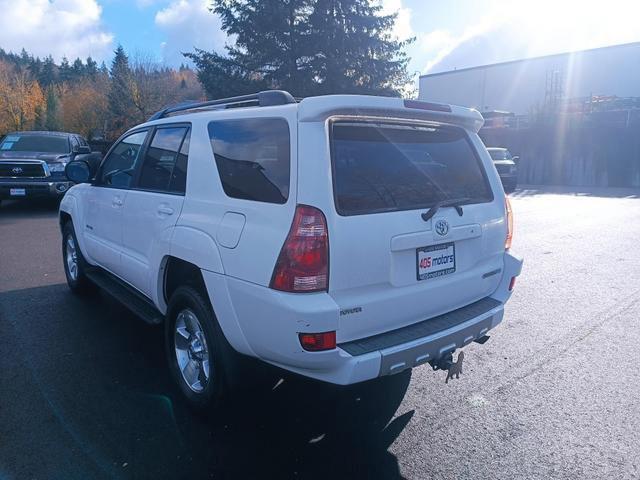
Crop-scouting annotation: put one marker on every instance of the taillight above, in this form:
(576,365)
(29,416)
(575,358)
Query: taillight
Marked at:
(303,263)
(316,342)
(507,243)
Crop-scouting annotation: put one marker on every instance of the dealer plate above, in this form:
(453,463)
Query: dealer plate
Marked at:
(17,192)
(436,260)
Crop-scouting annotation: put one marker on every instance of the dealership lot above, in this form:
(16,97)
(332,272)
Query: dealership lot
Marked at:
(84,391)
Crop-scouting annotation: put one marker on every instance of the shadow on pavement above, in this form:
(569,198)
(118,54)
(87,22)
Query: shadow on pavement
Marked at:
(84,393)
(603,192)
(33,208)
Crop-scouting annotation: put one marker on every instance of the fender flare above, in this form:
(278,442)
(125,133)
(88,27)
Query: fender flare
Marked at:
(69,205)
(189,244)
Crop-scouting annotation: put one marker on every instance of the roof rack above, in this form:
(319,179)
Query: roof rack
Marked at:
(266,98)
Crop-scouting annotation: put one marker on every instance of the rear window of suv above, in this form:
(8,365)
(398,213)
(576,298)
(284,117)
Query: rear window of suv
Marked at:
(253,157)
(382,167)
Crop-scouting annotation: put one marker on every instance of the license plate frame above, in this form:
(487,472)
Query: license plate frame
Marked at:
(17,192)
(427,271)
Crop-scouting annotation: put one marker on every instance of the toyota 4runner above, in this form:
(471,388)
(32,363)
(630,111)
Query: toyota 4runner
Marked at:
(341,237)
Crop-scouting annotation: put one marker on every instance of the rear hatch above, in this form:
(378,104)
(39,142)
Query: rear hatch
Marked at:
(391,265)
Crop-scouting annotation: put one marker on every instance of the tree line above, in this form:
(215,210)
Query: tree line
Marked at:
(94,100)
(308,47)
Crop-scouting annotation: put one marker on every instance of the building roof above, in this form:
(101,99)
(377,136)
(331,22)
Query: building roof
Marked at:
(498,64)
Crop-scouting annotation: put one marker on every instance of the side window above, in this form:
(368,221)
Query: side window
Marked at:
(253,158)
(179,177)
(161,160)
(74,143)
(119,167)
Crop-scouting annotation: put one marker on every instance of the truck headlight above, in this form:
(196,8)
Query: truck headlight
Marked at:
(57,167)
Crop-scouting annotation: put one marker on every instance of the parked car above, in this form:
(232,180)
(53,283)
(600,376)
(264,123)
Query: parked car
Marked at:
(507,167)
(32,163)
(343,237)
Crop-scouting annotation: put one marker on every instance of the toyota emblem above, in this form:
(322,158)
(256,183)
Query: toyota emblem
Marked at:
(17,170)
(442,227)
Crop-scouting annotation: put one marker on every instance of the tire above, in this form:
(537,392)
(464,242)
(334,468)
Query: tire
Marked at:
(75,265)
(189,344)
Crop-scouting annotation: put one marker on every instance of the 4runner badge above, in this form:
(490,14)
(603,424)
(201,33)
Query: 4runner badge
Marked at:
(441,227)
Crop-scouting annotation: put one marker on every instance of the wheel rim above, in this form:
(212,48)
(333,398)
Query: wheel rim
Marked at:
(192,351)
(71,257)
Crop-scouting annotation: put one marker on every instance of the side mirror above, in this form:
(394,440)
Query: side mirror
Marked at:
(515,159)
(78,171)
(82,149)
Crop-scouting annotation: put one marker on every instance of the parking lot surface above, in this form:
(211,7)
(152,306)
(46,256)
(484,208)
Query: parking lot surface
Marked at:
(555,393)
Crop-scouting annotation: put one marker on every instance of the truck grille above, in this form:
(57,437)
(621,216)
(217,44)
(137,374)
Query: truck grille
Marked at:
(503,168)
(21,169)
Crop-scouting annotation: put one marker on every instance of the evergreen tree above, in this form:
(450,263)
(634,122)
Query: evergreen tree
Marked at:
(120,96)
(358,53)
(307,47)
(48,72)
(92,68)
(52,114)
(65,72)
(77,70)
(40,117)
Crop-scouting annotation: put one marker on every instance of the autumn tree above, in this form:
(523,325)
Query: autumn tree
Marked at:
(21,98)
(85,107)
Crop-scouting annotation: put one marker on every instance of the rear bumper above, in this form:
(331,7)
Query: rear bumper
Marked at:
(264,323)
(48,187)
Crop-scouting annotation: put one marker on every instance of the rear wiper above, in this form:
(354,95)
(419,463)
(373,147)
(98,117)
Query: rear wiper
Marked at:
(449,202)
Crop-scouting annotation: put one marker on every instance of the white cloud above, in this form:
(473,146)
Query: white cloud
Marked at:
(69,28)
(402,28)
(189,24)
(518,29)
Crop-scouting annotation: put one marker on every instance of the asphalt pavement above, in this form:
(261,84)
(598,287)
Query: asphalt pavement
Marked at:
(555,392)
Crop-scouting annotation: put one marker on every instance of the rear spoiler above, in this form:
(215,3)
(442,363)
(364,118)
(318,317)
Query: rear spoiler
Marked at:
(314,109)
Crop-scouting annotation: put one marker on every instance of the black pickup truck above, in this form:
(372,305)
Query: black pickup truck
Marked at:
(32,163)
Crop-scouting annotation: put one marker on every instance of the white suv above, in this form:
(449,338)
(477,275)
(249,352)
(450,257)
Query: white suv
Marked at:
(341,237)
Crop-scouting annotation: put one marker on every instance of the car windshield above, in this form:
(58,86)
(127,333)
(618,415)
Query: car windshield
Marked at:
(35,143)
(500,154)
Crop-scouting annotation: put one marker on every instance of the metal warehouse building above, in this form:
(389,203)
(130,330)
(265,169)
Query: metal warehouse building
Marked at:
(522,86)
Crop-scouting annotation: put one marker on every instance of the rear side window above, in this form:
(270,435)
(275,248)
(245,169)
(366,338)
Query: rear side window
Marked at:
(386,167)
(253,157)
(159,170)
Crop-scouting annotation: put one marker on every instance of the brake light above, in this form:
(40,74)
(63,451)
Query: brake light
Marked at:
(303,263)
(315,342)
(507,243)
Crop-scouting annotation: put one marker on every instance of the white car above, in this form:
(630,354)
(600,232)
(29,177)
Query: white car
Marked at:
(343,237)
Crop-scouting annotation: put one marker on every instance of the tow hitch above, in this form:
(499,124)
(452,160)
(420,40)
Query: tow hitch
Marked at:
(454,369)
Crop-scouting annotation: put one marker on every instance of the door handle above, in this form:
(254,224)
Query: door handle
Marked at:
(163,210)
(117,202)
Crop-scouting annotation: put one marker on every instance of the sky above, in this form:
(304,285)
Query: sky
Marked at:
(449,33)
